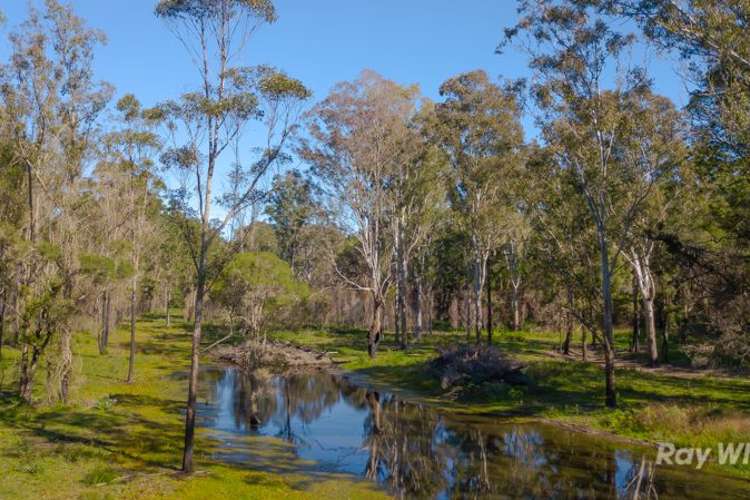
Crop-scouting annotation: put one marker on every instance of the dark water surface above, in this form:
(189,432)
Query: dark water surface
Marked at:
(320,423)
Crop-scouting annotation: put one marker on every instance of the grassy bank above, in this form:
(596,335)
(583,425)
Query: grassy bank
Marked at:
(118,440)
(687,408)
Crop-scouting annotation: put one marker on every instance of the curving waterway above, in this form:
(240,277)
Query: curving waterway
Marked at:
(319,423)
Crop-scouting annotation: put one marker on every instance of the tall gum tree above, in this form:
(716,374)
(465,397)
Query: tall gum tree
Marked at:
(357,149)
(480,130)
(572,47)
(204,123)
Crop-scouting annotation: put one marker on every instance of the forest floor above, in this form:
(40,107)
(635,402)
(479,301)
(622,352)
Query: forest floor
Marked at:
(119,440)
(672,403)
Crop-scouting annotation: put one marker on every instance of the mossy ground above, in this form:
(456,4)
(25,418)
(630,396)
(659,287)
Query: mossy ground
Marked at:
(655,406)
(119,440)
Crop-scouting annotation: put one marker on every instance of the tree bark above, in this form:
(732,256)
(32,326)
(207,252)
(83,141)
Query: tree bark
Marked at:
(479,274)
(608,330)
(401,273)
(66,363)
(515,308)
(375,332)
(187,458)
(489,310)
(568,323)
(417,308)
(635,343)
(667,327)
(169,318)
(131,359)
(2,323)
(650,318)
(106,321)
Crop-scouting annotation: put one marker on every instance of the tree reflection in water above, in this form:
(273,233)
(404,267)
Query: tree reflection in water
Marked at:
(415,451)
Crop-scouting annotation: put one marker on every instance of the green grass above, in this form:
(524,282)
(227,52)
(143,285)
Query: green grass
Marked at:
(653,406)
(119,440)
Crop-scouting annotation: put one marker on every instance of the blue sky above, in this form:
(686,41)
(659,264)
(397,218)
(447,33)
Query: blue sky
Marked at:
(323,42)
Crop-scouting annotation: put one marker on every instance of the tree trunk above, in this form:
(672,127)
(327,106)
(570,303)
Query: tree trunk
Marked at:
(66,363)
(514,302)
(187,458)
(417,308)
(169,318)
(401,274)
(467,314)
(131,359)
(635,343)
(396,321)
(374,333)
(489,310)
(608,330)
(27,368)
(568,324)
(667,327)
(2,323)
(650,318)
(106,321)
(479,269)
(583,343)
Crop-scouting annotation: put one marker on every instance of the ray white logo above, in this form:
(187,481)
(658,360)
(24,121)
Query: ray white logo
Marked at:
(727,454)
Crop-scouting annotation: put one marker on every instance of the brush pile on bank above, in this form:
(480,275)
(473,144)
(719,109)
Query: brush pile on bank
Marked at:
(253,355)
(472,364)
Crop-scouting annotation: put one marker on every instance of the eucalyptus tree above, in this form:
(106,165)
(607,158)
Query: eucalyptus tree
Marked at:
(571,48)
(129,156)
(652,149)
(53,104)
(292,207)
(711,39)
(481,133)
(357,148)
(204,123)
(417,193)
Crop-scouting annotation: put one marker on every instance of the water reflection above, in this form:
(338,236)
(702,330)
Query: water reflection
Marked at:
(416,452)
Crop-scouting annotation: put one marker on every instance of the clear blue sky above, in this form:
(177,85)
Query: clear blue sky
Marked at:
(322,42)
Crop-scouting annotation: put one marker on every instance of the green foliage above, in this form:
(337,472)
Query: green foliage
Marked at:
(104,269)
(255,288)
(262,9)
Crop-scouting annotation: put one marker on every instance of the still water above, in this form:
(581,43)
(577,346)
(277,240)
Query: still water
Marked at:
(315,422)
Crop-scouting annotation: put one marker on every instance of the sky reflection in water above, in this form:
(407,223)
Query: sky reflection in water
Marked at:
(323,423)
